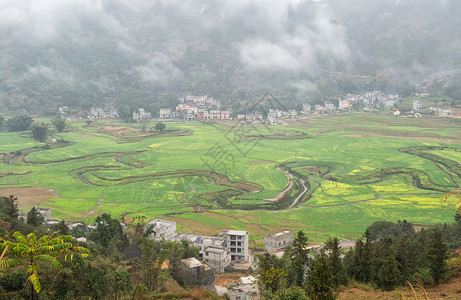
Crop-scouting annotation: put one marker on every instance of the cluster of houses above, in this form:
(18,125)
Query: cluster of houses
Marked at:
(217,254)
(369,100)
(100,113)
(226,251)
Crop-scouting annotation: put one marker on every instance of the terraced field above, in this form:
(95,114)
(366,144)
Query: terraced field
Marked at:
(330,176)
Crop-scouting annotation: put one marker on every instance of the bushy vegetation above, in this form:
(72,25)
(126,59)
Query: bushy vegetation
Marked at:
(390,256)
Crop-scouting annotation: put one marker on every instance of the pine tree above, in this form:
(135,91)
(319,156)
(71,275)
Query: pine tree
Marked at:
(299,259)
(335,263)
(366,258)
(436,254)
(386,272)
(320,282)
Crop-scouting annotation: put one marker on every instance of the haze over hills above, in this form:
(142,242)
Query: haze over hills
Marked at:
(90,52)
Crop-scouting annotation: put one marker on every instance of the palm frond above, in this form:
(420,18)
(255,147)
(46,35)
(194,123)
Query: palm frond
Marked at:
(33,278)
(81,249)
(49,260)
(10,262)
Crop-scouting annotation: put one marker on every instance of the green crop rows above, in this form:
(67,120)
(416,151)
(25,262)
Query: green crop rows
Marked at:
(328,176)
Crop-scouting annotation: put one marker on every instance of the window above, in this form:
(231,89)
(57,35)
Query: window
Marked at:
(206,253)
(239,243)
(239,250)
(233,243)
(232,249)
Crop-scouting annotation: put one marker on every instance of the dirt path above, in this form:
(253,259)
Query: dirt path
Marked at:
(100,202)
(300,195)
(284,191)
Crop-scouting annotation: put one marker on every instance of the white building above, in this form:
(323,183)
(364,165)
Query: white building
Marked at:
(217,257)
(278,240)
(141,115)
(97,113)
(245,289)
(329,106)
(234,241)
(292,113)
(417,105)
(63,109)
(237,244)
(165,113)
(306,108)
(162,229)
(344,104)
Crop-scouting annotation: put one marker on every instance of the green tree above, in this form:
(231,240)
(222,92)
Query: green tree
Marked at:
(31,251)
(338,272)
(299,260)
(319,281)
(34,217)
(271,274)
(437,252)
(19,123)
(10,207)
(152,258)
(59,122)
(39,131)
(159,126)
(385,266)
(457,217)
(109,230)
(2,119)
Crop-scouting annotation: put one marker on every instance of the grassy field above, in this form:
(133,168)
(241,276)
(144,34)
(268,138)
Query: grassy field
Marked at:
(330,176)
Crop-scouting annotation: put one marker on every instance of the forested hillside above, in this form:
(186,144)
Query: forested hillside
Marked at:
(84,53)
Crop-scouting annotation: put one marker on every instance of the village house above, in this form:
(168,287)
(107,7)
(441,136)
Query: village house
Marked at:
(141,115)
(292,113)
(241,117)
(329,106)
(234,241)
(441,111)
(96,113)
(193,272)
(245,289)
(225,115)
(344,104)
(162,230)
(254,116)
(165,113)
(278,240)
(237,244)
(218,257)
(306,108)
(63,110)
(319,108)
(215,114)
(417,105)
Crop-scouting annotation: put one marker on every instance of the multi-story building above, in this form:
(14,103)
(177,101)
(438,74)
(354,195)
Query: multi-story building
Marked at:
(306,108)
(344,104)
(237,244)
(141,115)
(218,257)
(225,115)
(215,114)
(292,113)
(96,112)
(278,240)
(417,105)
(165,113)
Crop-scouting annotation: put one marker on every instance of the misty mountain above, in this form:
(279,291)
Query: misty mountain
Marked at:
(92,52)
